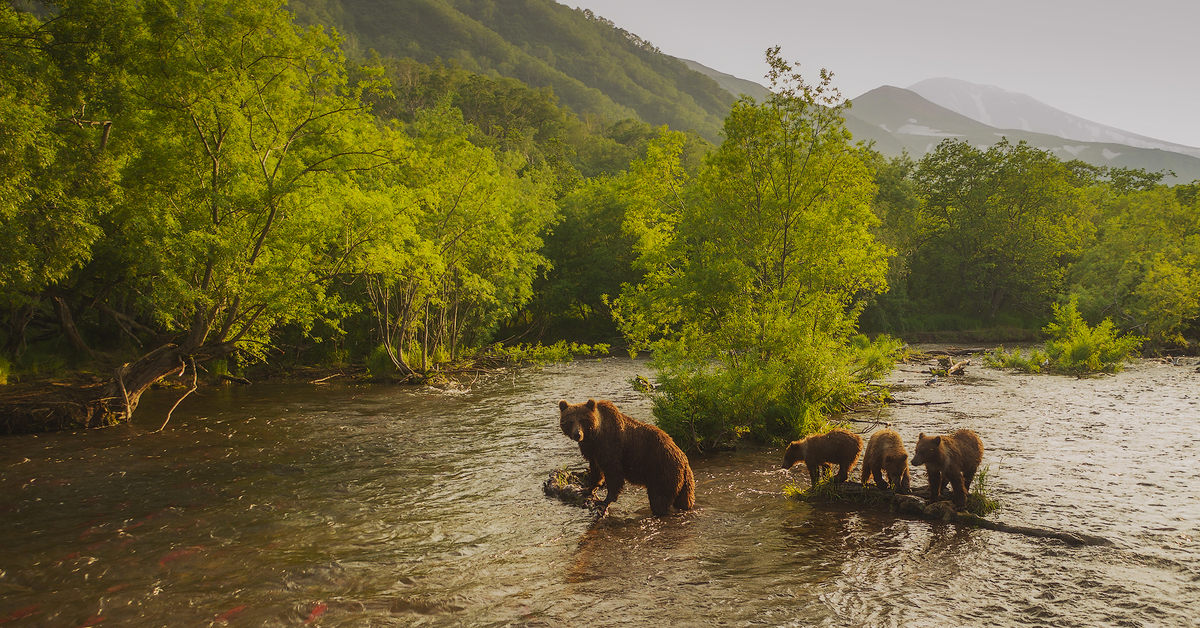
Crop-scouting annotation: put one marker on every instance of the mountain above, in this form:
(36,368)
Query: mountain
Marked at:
(1010,110)
(728,82)
(594,67)
(898,119)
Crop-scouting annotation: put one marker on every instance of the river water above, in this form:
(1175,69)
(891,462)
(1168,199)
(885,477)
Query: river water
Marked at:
(351,505)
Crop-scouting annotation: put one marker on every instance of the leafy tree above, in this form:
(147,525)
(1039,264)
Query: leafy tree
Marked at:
(756,270)
(460,249)
(235,137)
(1143,269)
(56,178)
(999,227)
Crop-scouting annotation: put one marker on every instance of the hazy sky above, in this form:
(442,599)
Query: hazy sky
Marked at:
(1134,65)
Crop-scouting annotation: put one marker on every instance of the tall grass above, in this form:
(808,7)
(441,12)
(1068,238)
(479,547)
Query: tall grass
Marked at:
(979,500)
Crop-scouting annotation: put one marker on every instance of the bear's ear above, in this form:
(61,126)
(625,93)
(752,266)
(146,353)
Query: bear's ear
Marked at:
(562,405)
(591,404)
(937,441)
(921,436)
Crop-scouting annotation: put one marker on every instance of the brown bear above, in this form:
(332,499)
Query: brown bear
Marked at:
(820,452)
(950,458)
(619,448)
(885,452)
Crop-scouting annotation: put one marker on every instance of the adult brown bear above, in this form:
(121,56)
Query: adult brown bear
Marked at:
(950,458)
(837,446)
(619,448)
(886,453)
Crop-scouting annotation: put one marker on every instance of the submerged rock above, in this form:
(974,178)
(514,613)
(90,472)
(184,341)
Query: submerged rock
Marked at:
(571,486)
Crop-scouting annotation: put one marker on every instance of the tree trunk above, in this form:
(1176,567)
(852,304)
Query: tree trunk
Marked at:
(68,327)
(43,407)
(16,330)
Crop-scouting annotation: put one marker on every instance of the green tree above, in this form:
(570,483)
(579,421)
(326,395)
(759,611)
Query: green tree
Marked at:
(999,227)
(56,176)
(756,270)
(1143,269)
(461,246)
(236,137)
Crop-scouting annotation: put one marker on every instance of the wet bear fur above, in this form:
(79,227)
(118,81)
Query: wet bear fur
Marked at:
(950,458)
(886,454)
(820,452)
(622,449)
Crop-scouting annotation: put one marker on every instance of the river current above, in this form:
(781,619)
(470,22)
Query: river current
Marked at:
(352,505)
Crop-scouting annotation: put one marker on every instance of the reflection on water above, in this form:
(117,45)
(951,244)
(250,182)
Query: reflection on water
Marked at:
(351,505)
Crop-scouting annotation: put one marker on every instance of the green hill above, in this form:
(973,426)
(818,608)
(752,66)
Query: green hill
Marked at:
(593,67)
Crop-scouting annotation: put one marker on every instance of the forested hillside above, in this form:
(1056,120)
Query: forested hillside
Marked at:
(593,66)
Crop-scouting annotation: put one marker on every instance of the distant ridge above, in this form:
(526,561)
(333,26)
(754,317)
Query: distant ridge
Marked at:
(1003,109)
(730,83)
(899,119)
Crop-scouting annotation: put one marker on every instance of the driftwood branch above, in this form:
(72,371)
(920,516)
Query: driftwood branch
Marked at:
(324,379)
(871,421)
(873,498)
(195,378)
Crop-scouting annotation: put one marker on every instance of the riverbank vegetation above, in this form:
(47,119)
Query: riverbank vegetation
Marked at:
(214,184)
(1074,347)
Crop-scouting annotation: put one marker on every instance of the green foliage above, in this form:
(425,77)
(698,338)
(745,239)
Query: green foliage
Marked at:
(246,194)
(1016,359)
(453,244)
(379,364)
(826,489)
(996,229)
(979,500)
(1144,268)
(56,180)
(594,67)
(755,270)
(5,370)
(539,354)
(1074,347)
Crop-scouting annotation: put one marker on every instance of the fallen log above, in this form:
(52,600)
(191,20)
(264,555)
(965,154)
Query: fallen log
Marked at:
(954,352)
(912,506)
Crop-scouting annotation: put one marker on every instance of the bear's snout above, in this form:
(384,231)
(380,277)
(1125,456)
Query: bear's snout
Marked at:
(577,435)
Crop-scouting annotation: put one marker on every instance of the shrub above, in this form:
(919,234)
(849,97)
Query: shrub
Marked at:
(979,501)
(379,363)
(539,354)
(769,401)
(1074,347)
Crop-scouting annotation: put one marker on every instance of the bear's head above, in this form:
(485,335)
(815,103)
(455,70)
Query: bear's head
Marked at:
(795,453)
(929,448)
(578,420)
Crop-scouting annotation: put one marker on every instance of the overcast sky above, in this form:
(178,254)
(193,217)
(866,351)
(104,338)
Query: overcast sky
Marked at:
(1134,65)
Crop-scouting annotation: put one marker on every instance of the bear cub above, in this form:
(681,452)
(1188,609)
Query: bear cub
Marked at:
(950,458)
(820,452)
(886,453)
(619,448)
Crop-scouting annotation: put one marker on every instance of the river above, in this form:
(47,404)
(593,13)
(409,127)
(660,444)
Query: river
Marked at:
(351,505)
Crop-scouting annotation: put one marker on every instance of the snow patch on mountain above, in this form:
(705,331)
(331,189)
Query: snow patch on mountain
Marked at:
(1011,110)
